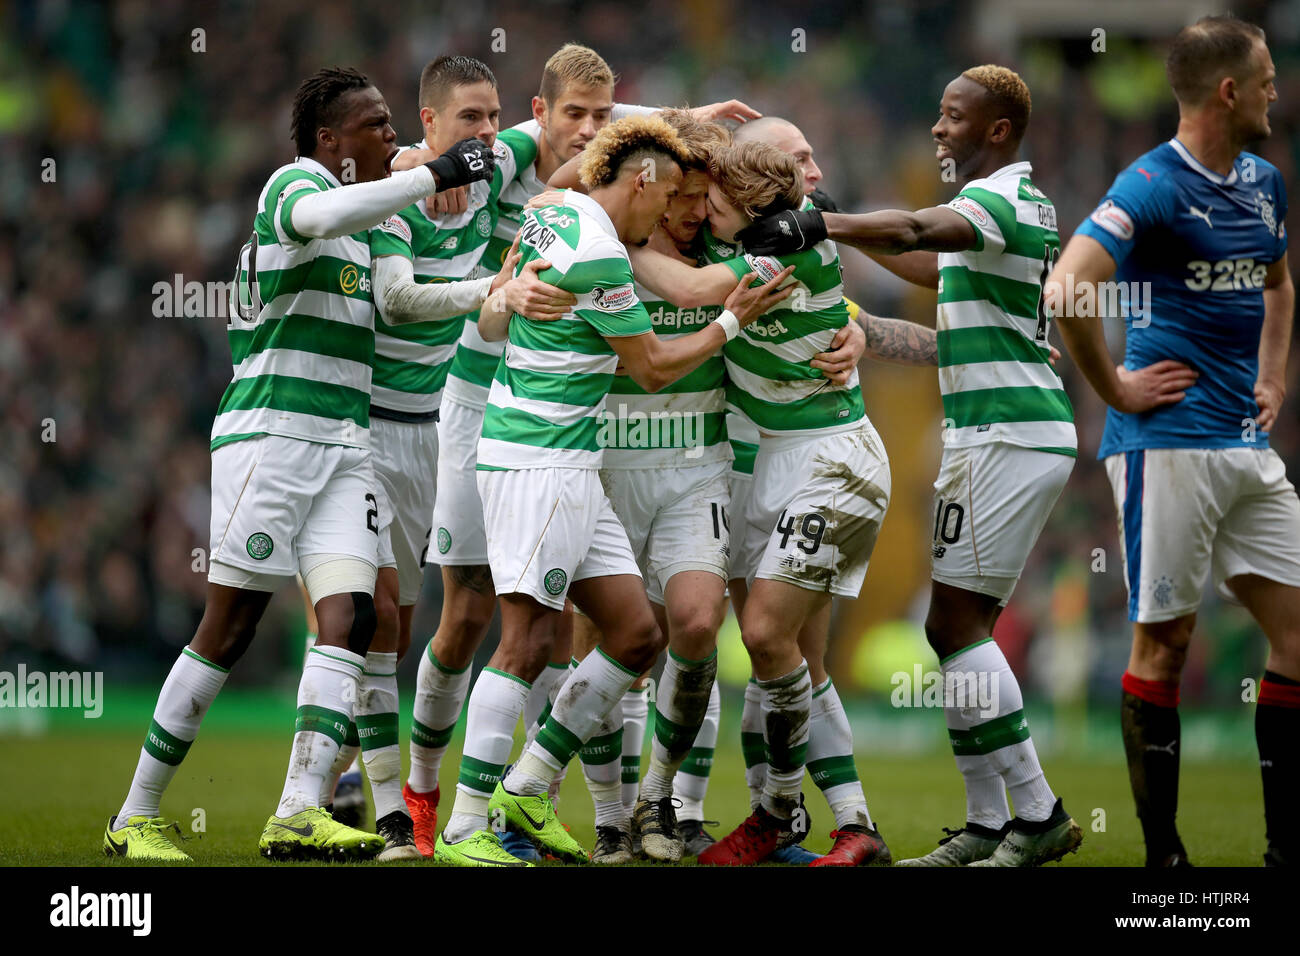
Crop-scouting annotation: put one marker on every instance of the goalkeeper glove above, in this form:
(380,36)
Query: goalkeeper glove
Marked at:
(783,233)
(468,161)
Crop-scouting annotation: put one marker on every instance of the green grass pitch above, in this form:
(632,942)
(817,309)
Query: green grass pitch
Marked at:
(63,785)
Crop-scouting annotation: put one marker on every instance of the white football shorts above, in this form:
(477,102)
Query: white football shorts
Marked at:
(815,509)
(676,519)
(1186,511)
(990,505)
(549,527)
(276,500)
(406,463)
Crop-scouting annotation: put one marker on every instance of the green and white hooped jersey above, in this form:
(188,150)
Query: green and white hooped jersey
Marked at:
(549,389)
(682,424)
(994,374)
(302,335)
(743,436)
(412,361)
(770,380)
(470,375)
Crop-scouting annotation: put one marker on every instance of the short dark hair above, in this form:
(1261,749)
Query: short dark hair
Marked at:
(316,103)
(1206,51)
(439,77)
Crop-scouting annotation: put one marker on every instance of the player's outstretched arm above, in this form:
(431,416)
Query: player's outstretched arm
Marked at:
(1086,262)
(917,267)
(402,300)
(1274,342)
(331,213)
(655,363)
(888,232)
(679,283)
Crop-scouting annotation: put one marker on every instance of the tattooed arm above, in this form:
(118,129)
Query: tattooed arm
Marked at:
(899,342)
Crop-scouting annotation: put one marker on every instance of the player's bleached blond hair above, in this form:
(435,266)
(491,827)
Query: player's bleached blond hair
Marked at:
(1008,94)
(574,65)
(757,179)
(632,138)
(698,137)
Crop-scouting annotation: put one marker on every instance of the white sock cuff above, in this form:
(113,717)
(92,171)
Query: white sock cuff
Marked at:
(337,659)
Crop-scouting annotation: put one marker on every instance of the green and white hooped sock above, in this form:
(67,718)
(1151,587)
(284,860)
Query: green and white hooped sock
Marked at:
(376,722)
(495,706)
(189,690)
(439,696)
(636,714)
(601,762)
(680,706)
(787,701)
(753,742)
(542,697)
(1000,737)
(327,696)
(590,693)
(691,784)
(346,758)
(830,758)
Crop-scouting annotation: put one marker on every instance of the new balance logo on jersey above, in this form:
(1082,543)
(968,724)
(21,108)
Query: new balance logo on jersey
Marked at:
(1202,214)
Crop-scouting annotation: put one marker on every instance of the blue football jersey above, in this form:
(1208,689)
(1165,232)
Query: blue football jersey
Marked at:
(1204,242)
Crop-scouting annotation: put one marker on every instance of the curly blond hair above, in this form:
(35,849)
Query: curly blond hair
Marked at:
(631,138)
(756,178)
(699,138)
(1007,92)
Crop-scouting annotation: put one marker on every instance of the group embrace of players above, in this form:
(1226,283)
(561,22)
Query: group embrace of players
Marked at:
(607,409)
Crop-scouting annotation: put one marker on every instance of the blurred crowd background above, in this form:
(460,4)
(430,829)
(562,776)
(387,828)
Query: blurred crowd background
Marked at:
(161,138)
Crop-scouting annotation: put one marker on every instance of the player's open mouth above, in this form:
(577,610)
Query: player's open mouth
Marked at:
(388,162)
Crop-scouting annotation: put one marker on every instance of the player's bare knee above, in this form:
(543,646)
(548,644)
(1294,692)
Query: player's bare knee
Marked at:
(762,640)
(693,633)
(637,644)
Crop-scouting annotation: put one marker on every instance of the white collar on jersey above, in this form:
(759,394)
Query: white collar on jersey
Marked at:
(1022,168)
(1209,174)
(315,167)
(592,208)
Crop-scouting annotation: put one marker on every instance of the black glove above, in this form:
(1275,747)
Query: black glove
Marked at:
(467,162)
(783,233)
(823,202)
